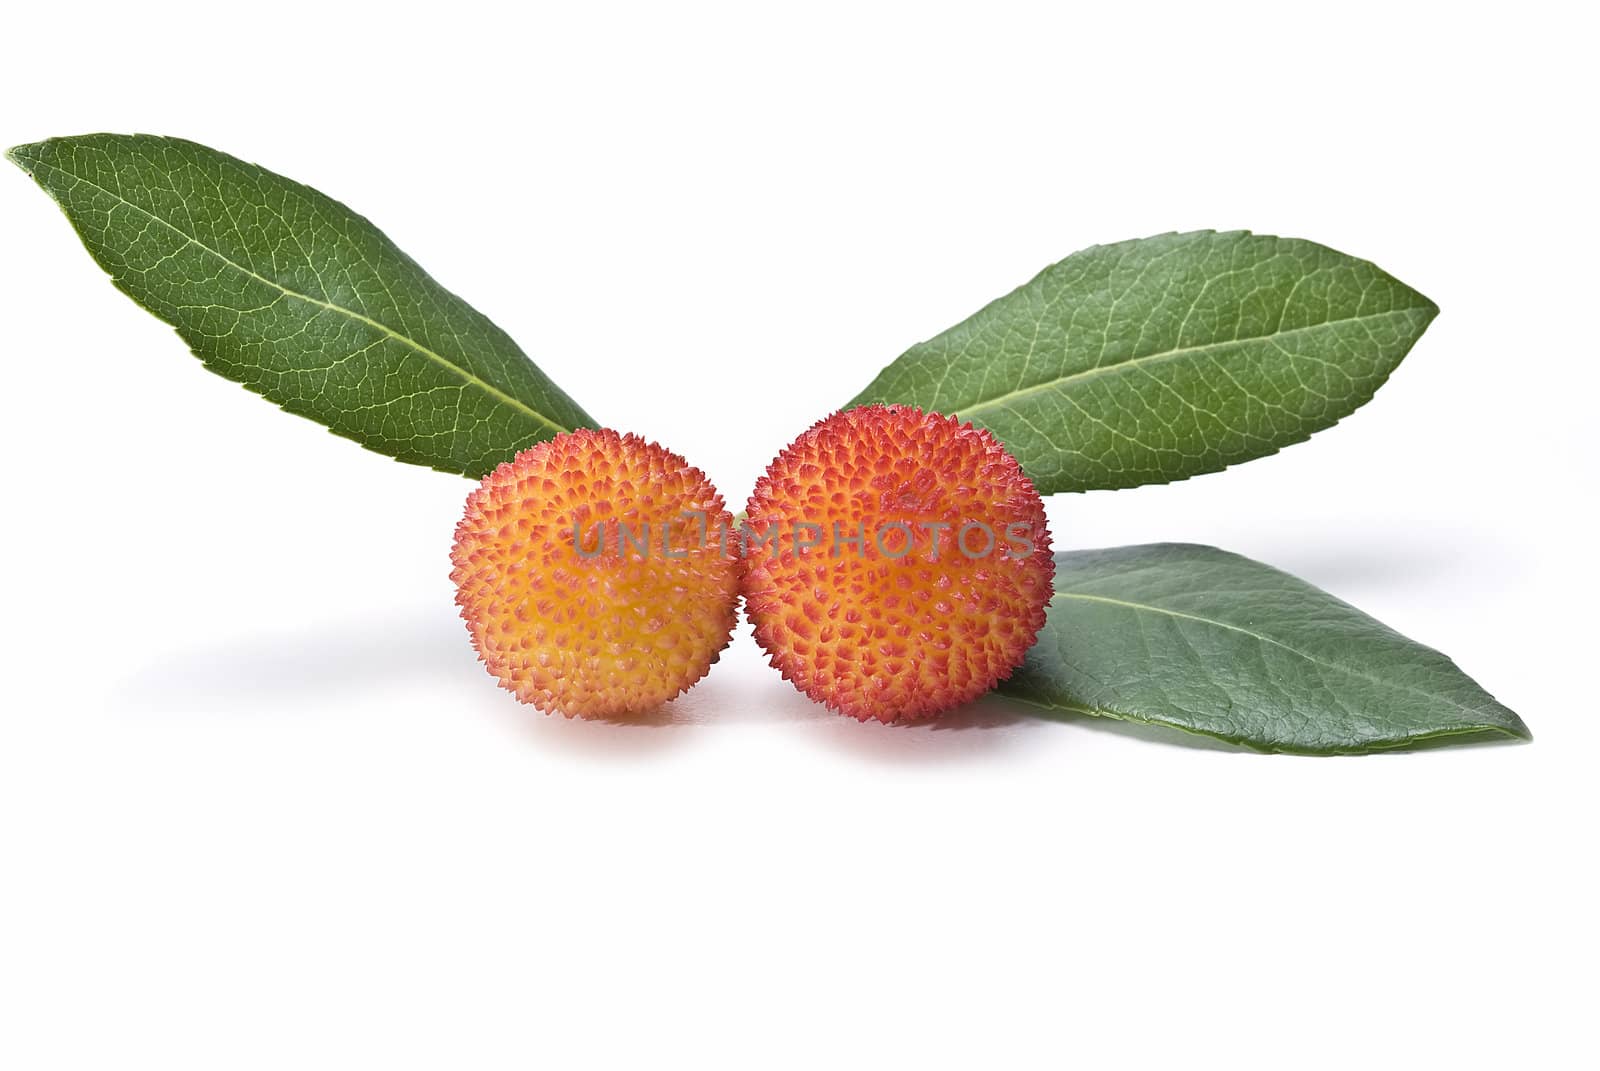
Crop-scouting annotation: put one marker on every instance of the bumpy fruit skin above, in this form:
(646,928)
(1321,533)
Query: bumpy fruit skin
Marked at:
(605,636)
(892,636)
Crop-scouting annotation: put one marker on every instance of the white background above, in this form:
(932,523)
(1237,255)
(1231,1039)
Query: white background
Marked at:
(259,807)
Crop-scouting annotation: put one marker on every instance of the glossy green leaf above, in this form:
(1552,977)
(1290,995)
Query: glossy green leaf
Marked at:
(303,301)
(1212,643)
(1163,358)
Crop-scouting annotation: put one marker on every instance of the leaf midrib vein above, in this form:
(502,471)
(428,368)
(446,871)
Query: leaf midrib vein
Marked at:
(1117,367)
(432,355)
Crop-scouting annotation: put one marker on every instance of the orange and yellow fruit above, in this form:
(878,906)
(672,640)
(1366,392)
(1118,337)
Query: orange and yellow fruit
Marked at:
(875,598)
(590,575)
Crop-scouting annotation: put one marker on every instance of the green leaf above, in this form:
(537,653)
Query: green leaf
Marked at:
(303,301)
(1202,640)
(1163,358)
